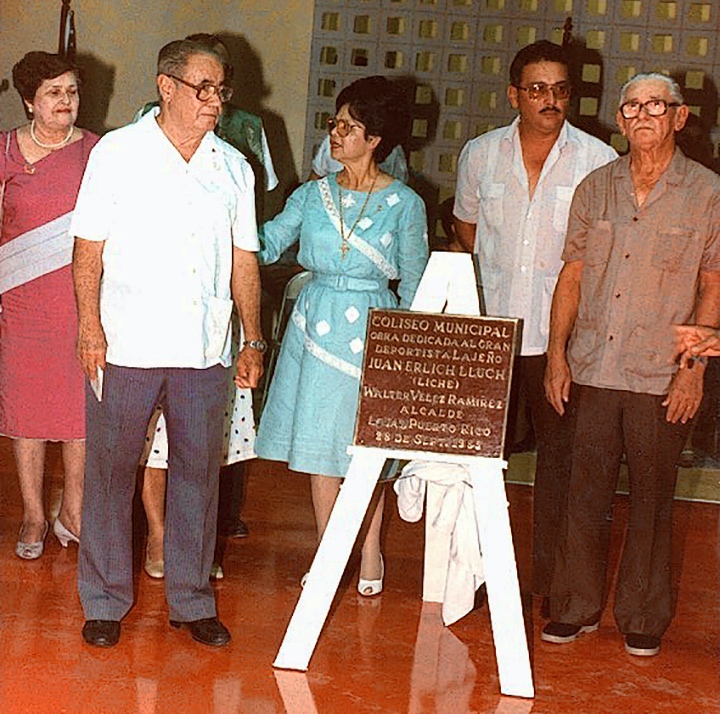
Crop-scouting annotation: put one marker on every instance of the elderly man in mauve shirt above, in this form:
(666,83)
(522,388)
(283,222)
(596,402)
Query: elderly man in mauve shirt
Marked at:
(642,254)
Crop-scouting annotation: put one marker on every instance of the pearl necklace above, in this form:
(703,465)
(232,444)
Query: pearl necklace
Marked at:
(49,146)
(345,244)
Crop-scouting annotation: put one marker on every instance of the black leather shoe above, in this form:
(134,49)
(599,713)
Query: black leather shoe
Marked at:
(209,631)
(238,529)
(101,633)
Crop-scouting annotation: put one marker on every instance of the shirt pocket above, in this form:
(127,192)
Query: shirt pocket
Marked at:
(648,352)
(563,197)
(216,326)
(673,251)
(584,349)
(546,305)
(599,244)
(492,204)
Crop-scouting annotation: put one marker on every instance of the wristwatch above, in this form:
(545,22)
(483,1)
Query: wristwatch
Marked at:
(259,345)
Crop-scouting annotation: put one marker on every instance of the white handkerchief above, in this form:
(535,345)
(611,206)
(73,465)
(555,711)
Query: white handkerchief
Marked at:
(97,384)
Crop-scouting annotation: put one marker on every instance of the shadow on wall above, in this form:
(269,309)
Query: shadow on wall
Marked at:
(250,93)
(424,116)
(695,138)
(96,91)
(586,77)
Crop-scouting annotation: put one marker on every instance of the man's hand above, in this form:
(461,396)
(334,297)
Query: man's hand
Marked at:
(91,348)
(464,236)
(686,390)
(248,368)
(557,383)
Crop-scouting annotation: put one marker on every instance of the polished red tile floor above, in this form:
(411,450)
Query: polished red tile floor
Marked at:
(389,654)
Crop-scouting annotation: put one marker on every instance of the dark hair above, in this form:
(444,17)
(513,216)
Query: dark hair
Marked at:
(540,51)
(381,107)
(35,67)
(216,46)
(173,57)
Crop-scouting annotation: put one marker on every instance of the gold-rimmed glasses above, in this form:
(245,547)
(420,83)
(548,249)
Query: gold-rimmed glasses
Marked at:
(540,90)
(342,126)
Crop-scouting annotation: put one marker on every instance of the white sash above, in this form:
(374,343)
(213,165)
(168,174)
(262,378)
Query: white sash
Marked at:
(369,251)
(322,354)
(36,253)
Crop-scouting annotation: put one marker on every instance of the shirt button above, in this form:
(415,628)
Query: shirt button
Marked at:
(627,255)
(617,295)
(526,242)
(611,338)
(635,218)
(523,269)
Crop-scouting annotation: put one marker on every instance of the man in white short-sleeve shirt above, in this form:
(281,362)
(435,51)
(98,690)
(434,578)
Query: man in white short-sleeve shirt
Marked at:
(512,199)
(165,242)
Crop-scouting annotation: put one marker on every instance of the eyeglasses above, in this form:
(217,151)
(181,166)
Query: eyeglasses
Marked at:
(540,90)
(342,126)
(206,90)
(653,108)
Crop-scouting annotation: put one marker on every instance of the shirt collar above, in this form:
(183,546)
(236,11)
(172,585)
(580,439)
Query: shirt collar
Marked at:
(674,173)
(149,122)
(512,133)
(678,168)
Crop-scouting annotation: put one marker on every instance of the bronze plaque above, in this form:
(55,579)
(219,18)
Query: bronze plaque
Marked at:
(435,382)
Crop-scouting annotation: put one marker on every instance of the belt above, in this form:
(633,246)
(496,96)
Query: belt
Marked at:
(345,282)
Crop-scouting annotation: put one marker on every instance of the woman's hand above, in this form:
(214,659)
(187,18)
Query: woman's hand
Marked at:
(695,341)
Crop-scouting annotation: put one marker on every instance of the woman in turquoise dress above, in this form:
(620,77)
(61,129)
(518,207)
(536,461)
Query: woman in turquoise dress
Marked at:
(358,229)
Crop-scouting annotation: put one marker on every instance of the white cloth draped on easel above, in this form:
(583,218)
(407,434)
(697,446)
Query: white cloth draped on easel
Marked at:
(452,512)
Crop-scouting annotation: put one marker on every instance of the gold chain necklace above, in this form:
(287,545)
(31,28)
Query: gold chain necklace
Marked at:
(345,244)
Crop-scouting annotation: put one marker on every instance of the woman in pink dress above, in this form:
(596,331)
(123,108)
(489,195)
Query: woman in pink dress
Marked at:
(41,381)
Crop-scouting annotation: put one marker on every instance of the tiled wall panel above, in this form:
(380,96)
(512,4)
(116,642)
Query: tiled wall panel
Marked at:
(458,52)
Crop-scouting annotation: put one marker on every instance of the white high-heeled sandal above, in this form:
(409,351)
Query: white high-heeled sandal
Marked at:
(369,588)
(31,551)
(64,535)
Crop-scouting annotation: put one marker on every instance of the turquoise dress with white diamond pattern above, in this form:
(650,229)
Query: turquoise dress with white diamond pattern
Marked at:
(309,418)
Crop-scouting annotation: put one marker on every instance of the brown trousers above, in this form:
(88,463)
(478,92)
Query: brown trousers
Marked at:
(611,422)
(553,439)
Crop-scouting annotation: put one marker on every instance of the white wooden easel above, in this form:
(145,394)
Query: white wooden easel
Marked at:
(448,283)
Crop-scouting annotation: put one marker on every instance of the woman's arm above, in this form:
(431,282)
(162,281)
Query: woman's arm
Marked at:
(277,235)
(413,249)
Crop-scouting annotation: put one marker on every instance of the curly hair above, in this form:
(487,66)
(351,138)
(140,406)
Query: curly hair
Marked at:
(381,107)
(35,67)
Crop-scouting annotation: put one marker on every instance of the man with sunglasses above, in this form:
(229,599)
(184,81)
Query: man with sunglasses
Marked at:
(642,254)
(165,220)
(512,199)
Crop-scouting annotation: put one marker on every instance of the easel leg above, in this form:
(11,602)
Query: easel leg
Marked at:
(511,650)
(329,563)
